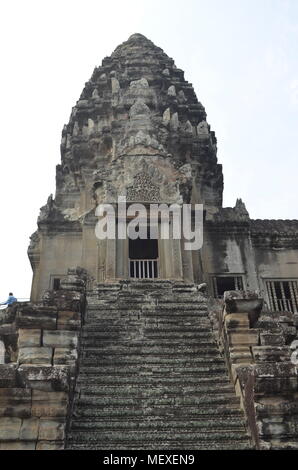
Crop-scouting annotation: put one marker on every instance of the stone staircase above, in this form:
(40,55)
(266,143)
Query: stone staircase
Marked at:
(151,375)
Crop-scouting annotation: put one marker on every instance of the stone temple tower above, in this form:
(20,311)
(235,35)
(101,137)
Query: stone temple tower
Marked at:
(139,131)
(142,344)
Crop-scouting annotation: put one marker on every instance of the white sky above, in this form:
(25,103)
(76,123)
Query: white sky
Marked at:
(240,55)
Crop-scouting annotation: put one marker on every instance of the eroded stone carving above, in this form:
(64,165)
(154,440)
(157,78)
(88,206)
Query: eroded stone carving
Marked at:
(143,189)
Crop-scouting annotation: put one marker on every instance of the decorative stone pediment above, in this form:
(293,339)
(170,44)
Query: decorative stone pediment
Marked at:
(143,189)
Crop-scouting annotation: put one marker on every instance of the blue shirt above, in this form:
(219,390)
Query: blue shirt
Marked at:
(11,300)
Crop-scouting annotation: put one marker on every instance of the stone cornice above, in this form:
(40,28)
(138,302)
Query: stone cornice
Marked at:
(55,227)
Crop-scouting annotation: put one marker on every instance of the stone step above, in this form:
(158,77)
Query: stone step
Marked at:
(149,327)
(144,314)
(183,285)
(104,359)
(188,310)
(134,339)
(126,320)
(185,307)
(160,444)
(92,367)
(105,286)
(169,334)
(133,412)
(133,378)
(149,347)
(151,335)
(159,425)
(136,299)
(151,374)
(150,390)
(140,436)
(182,300)
(131,344)
(158,402)
(148,285)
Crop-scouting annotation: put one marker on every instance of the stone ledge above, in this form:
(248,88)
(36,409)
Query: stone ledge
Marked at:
(238,337)
(275,385)
(45,378)
(263,354)
(17,445)
(37,317)
(50,445)
(36,355)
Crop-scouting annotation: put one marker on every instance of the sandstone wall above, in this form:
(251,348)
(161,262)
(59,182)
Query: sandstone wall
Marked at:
(261,355)
(37,385)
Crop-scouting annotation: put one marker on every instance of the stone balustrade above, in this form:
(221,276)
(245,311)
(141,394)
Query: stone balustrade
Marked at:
(260,351)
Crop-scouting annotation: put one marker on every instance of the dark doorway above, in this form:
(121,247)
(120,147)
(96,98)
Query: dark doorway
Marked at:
(143,258)
(143,249)
(226,283)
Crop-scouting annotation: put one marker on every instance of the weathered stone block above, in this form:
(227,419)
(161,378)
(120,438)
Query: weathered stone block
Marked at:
(29,429)
(8,375)
(65,300)
(286,318)
(244,373)
(46,378)
(276,426)
(75,280)
(48,445)
(237,320)
(17,445)
(249,337)
(268,323)
(15,402)
(10,429)
(60,339)
(51,404)
(8,316)
(29,338)
(278,369)
(289,332)
(241,356)
(8,329)
(68,320)
(240,348)
(271,353)
(37,317)
(65,356)
(40,355)
(267,339)
(243,301)
(234,371)
(277,385)
(51,429)
(277,405)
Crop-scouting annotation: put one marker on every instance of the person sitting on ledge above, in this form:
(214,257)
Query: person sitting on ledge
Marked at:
(11,300)
(8,315)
